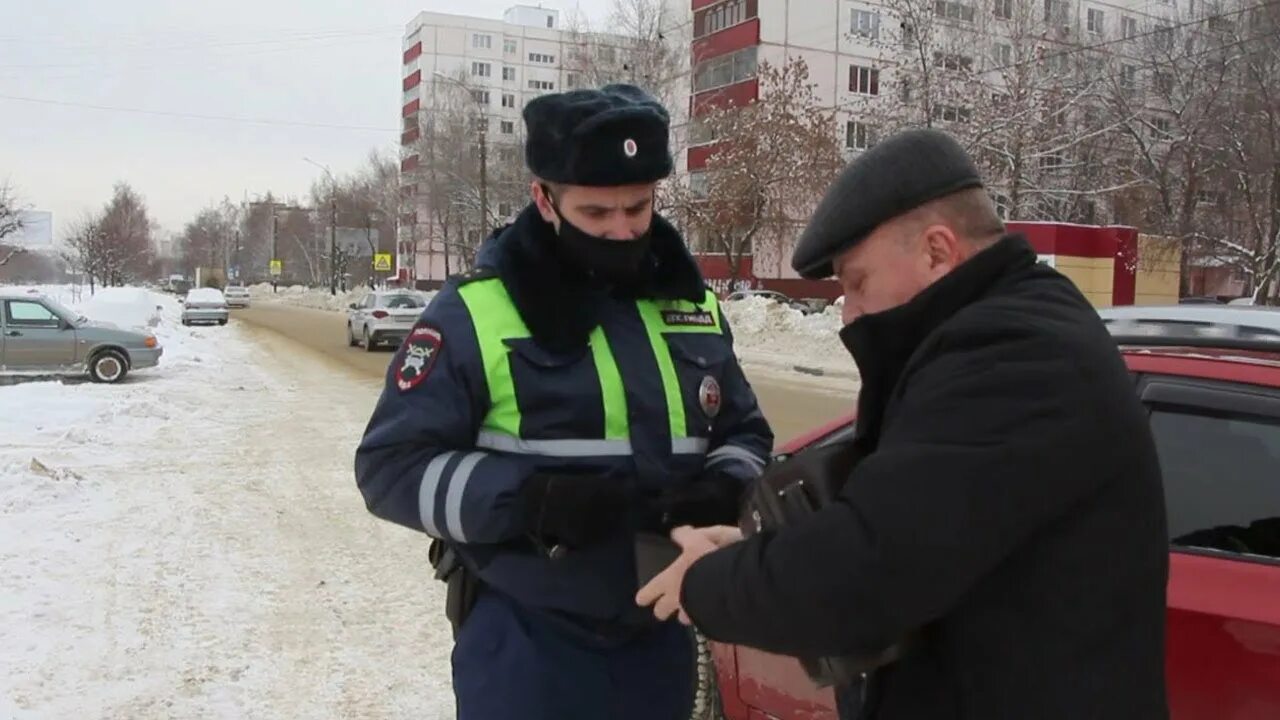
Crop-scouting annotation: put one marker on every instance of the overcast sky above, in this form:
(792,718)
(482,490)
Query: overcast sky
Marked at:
(327,62)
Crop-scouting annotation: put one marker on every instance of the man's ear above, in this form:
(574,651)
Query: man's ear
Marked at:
(943,248)
(543,202)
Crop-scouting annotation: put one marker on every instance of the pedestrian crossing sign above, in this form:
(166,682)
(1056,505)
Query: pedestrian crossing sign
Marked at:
(382,262)
(276,267)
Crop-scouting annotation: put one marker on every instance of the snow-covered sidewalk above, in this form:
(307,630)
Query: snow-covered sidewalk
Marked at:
(190,544)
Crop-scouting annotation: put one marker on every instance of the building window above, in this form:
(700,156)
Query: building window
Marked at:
(1160,127)
(1055,12)
(509,47)
(953,61)
(480,124)
(1002,53)
(904,90)
(507,127)
(725,70)
(479,69)
(698,184)
(542,58)
(508,74)
(1129,27)
(1129,78)
(508,100)
(723,15)
(866,24)
(1094,21)
(541,85)
(571,80)
(551,22)
(864,80)
(1163,35)
(952,113)
(858,136)
(1052,161)
(480,97)
(482,42)
(1003,9)
(504,209)
(1163,83)
(952,10)
(507,155)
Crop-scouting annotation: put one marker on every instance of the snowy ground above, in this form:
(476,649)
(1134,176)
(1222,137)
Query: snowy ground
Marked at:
(190,544)
(767,334)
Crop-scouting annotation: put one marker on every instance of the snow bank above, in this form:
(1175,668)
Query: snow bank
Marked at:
(769,331)
(125,307)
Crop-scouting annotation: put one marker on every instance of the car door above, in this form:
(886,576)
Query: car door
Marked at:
(36,337)
(1219,446)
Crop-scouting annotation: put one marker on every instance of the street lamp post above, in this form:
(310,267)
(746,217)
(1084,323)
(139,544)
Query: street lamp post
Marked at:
(333,227)
(484,152)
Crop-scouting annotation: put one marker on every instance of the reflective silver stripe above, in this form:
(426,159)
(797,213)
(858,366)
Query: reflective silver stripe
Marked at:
(427,492)
(490,440)
(453,499)
(733,452)
(689,446)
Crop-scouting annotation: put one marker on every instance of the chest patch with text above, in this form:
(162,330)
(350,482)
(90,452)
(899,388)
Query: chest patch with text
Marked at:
(687,319)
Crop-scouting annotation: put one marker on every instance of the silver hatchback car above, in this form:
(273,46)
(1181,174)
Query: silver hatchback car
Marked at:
(38,336)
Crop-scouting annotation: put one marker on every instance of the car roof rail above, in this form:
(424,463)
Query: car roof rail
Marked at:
(1168,332)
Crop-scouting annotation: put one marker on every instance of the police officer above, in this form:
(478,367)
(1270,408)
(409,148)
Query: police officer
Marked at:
(576,389)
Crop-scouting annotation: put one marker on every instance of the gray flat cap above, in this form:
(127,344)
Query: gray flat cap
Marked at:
(894,176)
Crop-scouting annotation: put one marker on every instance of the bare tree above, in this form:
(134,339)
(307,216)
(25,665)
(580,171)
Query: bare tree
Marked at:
(1010,82)
(643,42)
(126,229)
(10,212)
(771,159)
(88,253)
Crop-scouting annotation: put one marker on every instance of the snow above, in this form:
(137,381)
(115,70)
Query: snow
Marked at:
(770,333)
(126,307)
(205,295)
(190,543)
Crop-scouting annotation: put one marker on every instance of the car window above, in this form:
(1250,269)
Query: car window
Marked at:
(24,313)
(369,301)
(1222,479)
(402,301)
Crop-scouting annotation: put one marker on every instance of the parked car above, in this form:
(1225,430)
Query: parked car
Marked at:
(237,296)
(1210,378)
(1200,301)
(774,296)
(385,316)
(205,305)
(38,336)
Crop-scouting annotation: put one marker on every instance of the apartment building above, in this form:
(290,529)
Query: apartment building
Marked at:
(853,48)
(494,67)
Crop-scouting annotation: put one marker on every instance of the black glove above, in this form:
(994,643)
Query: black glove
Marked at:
(576,510)
(713,499)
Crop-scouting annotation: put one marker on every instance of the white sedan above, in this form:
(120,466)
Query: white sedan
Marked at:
(385,316)
(205,305)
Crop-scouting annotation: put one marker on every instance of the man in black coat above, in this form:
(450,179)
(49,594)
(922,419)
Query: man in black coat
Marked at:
(1008,512)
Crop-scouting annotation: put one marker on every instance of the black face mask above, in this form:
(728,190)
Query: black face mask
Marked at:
(617,262)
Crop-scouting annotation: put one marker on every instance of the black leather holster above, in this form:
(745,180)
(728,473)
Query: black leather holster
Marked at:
(462,585)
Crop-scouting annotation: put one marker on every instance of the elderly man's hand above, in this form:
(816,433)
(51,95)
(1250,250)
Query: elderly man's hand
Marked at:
(663,592)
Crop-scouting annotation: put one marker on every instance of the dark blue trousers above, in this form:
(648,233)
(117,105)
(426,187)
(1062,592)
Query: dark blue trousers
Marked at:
(510,663)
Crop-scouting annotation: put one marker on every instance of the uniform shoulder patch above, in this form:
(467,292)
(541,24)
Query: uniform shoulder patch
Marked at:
(696,318)
(418,356)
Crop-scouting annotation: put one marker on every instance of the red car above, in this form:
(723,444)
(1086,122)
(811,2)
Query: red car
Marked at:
(1211,380)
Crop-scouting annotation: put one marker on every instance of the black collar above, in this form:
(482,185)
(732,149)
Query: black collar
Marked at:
(559,305)
(883,343)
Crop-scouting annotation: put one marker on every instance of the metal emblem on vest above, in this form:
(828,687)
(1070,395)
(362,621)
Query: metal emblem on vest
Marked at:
(709,396)
(701,318)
